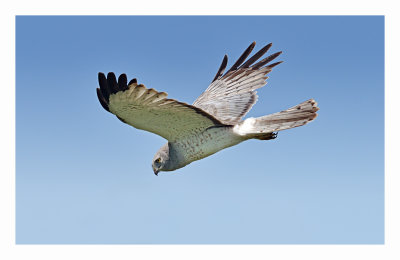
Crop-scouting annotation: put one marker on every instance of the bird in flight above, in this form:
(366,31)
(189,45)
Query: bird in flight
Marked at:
(213,122)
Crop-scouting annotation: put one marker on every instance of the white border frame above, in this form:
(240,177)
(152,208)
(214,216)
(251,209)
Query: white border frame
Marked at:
(8,249)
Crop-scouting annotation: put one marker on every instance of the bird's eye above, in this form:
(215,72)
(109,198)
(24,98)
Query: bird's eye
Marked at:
(158,160)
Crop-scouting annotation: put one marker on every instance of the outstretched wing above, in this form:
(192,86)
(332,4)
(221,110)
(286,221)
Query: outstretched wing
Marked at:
(150,110)
(231,96)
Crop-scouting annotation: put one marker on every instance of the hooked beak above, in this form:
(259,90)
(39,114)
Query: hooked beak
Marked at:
(155,171)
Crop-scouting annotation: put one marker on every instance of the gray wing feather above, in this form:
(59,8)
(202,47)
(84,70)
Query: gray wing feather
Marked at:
(230,96)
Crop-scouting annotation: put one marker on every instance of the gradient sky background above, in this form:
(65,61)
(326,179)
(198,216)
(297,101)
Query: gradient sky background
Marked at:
(85,177)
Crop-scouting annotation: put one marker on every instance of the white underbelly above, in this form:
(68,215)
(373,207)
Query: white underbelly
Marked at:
(207,143)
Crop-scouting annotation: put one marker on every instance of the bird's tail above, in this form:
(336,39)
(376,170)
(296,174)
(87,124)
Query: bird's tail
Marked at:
(263,128)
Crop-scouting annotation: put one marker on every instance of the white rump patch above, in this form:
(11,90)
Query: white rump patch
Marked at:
(246,127)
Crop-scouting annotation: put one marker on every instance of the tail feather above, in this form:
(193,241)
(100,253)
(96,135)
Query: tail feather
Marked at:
(262,127)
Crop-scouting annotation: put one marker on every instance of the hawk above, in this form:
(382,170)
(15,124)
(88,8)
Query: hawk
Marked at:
(213,122)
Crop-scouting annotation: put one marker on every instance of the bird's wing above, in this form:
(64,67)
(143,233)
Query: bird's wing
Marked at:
(150,110)
(231,95)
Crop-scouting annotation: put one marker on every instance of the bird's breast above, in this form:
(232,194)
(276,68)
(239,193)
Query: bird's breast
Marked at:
(201,145)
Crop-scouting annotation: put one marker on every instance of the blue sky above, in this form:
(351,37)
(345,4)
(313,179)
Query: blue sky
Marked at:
(82,176)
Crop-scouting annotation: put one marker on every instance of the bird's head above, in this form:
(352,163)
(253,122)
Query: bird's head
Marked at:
(161,160)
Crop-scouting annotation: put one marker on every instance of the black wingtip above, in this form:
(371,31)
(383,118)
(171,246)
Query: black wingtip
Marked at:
(109,85)
(132,81)
(256,56)
(266,60)
(241,63)
(103,102)
(221,68)
(112,83)
(122,82)
(242,58)
(103,86)
(274,64)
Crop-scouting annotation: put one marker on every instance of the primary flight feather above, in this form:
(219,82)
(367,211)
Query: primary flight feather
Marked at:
(214,121)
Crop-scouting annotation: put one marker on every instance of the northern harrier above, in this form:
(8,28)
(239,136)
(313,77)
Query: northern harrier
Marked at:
(214,121)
